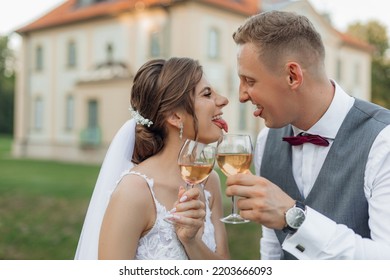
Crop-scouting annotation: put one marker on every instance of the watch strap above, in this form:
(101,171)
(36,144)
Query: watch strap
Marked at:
(300,205)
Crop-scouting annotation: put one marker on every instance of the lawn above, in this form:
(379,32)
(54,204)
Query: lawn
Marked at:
(43,203)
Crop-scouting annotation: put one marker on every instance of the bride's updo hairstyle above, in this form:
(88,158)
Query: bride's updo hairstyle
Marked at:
(161,86)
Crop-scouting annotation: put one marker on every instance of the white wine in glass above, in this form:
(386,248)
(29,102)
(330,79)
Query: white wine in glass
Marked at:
(196,173)
(234,155)
(232,164)
(196,161)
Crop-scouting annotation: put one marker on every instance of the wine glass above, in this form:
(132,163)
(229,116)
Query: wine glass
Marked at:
(234,155)
(196,161)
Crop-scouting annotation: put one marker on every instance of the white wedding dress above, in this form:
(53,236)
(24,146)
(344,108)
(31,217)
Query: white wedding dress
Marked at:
(161,242)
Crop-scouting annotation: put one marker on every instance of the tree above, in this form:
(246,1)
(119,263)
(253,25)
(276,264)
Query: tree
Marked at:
(376,34)
(7,87)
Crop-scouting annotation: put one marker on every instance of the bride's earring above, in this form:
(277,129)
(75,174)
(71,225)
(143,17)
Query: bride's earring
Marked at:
(181,131)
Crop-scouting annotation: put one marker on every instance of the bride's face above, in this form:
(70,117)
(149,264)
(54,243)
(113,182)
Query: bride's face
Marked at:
(208,109)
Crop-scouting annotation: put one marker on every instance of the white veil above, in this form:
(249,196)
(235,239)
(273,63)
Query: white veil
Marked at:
(117,160)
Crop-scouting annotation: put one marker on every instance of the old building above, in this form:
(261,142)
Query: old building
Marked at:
(77,64)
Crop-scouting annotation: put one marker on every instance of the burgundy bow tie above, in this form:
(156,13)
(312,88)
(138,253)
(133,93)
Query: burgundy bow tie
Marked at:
(302,138)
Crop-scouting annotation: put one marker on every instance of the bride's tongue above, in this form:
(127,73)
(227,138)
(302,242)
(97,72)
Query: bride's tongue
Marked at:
(221,124)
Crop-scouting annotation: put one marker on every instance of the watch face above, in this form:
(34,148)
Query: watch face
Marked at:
(295,217)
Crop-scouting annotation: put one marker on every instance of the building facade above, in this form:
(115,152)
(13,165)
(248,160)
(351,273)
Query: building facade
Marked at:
(77,63)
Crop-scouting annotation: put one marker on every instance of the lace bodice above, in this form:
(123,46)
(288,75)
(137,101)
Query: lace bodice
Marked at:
(161,242)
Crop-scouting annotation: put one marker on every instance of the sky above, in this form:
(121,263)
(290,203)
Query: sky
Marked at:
(16,13)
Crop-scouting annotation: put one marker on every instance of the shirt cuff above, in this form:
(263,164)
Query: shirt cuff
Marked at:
(312,236)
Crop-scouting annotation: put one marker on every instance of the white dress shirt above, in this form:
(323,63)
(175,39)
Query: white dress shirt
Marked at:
(321,237)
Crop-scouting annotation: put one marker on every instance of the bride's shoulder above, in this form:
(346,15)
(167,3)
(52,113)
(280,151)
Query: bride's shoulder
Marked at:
(131,203)
(133,186)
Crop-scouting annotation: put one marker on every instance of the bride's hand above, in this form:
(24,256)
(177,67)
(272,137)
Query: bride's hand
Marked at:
(189,215)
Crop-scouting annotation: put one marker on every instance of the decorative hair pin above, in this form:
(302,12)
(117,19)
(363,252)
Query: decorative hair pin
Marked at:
(140,119)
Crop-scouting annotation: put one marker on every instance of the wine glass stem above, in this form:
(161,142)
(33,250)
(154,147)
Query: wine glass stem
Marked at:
(189,186)
(234,205)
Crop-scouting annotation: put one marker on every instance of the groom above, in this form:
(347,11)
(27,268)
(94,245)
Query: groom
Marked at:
(317,197)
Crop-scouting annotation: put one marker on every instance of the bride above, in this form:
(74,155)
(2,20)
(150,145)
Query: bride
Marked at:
(139,182)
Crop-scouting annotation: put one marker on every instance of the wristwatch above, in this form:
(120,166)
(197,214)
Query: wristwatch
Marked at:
(295,216)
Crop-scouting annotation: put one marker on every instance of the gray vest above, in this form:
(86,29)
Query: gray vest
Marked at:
(338,191)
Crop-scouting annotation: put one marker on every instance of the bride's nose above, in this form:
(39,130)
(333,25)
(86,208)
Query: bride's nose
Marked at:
(221,101)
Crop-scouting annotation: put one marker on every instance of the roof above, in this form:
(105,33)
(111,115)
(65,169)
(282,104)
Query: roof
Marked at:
(69,12)
(355,42)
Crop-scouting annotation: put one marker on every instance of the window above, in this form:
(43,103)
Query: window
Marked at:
(213,43)
(92,114)
(90,137)
(109,53)
(38,113)
(69,112)
(39,58)
(155,45)
(72,55)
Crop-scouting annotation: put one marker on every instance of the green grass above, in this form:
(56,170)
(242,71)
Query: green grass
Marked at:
(43,204)
(244,239)
(5,145)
